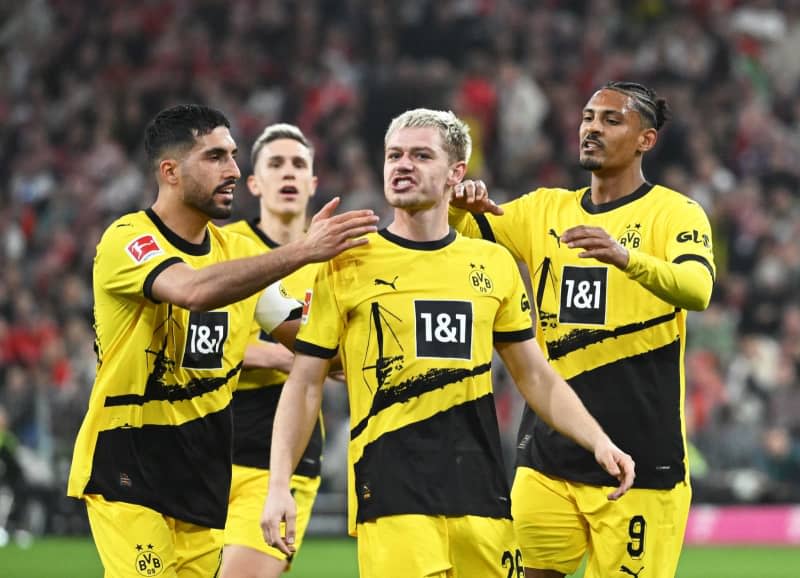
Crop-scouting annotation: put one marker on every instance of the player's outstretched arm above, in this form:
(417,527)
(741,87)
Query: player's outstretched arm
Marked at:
(230,281)
(557,404)
(297,413)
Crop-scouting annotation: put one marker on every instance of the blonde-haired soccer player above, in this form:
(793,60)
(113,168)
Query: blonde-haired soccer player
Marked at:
(416,318)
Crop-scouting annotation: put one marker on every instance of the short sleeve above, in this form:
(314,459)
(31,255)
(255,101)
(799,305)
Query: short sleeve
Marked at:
(321,324)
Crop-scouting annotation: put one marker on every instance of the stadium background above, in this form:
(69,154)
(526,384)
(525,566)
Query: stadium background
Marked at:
(79,79)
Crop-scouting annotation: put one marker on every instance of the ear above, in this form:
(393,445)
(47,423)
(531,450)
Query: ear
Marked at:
(456,173)
(252,186)
(314,181)
(168,171)
(647,139)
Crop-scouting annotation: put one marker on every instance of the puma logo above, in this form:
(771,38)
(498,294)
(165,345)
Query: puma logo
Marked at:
(631,572)
(387,283)
(553,233)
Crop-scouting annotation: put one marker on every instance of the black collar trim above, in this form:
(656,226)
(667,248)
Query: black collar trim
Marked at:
(419,245)
(196,249)
(266,239)
(590,207)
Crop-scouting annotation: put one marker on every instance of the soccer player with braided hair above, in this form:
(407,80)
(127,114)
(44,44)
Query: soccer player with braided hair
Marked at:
(615,267)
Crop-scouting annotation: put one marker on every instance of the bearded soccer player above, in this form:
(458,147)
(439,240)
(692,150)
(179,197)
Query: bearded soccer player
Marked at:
(172,292)
(615,267)
(416,318)
(284,182)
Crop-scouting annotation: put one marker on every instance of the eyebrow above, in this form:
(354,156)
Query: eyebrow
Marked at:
(412,148)
(220,150)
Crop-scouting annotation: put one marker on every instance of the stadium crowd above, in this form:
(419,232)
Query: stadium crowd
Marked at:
(81,78)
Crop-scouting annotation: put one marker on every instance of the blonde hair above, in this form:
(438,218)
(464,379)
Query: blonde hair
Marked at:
(279,131)
(455,132)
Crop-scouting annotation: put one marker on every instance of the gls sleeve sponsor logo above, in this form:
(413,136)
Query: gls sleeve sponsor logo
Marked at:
(205,340)
(695,237)
(143,248)
(443,329)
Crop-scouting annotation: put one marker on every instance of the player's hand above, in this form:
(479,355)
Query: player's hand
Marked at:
(329,234)
(618,464)
(279,508)
(597,244)
(472,196)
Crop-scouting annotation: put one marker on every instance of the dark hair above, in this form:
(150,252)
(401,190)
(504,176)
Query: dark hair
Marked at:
(652,108)
(179,126)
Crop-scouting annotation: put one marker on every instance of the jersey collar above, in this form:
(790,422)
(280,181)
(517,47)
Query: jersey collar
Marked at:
(196,249)
(266,239)
(419,245)
(590,207)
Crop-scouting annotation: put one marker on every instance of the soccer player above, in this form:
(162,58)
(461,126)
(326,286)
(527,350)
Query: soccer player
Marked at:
(415,318)
(615,267)
(174,297)
(284,182)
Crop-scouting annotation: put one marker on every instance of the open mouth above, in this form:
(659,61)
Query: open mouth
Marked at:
(590,144)
(288,191)
(402,183)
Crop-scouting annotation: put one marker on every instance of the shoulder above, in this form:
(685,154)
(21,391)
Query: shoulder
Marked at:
(242,227)
(133,231)
(479,246)
(238,241)
(546,196)
(670,197)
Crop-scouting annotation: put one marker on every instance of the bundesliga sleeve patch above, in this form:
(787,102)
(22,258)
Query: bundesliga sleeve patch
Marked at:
(306,307)
(143,248)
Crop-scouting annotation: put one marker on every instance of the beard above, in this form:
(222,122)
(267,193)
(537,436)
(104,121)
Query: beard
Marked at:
(590,164)
(195,196)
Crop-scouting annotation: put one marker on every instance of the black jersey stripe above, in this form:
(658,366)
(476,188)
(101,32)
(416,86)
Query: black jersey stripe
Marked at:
(431,380)
(543,276)
(637,402)
(485,227)
(181,471)
(513,336)
(449,464)
(253,416)
(157,390)
(307,348)
(147,289)
(699,259)
(581,338)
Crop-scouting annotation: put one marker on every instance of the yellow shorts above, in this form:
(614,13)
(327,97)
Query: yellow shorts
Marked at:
(417,546)
(135,541)
(246,502)
(558,521)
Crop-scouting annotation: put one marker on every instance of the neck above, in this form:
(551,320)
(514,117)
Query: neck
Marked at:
(282,229)
(421,225)
(607,188)
(186,222)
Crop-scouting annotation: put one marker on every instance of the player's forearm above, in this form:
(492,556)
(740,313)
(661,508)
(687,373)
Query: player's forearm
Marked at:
(548,394)
(295,418)
(230,281)
(561,408)
(686,285)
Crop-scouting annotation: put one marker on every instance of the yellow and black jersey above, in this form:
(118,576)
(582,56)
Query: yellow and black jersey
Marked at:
(415,324)
(256,396)
(158,428)
(618,345)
